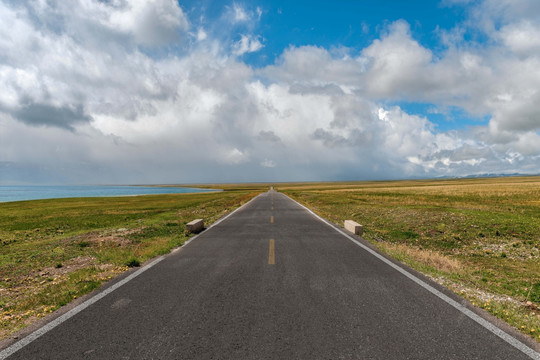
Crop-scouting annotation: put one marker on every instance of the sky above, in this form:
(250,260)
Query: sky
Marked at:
(140,92)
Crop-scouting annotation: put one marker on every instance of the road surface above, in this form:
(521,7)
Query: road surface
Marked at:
(271,281)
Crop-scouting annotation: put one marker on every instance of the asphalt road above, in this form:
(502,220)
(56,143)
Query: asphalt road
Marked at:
(270,282)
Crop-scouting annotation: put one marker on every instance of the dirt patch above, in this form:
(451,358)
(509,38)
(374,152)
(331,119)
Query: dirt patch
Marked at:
(68,266)
(35,282)
(118,237)
(13,316)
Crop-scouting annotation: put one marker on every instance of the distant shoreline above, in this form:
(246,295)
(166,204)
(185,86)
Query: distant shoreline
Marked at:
(14,193)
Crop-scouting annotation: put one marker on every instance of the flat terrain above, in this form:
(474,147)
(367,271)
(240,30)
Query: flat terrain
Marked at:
(478,237)
(271,282)
(54,251)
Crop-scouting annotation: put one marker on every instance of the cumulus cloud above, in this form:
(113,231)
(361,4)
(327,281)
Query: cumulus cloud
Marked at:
(522,38)
(155,22)
(87,95)
(397,62)
(41,114)
(315,66)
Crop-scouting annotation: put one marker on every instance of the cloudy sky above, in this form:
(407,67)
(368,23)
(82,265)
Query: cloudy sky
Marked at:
(136,91)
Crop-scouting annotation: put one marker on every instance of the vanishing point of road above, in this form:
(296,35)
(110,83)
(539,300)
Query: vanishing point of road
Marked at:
(271,281)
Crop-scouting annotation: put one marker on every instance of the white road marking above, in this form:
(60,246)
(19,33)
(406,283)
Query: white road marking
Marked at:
(486,324)
(100,295)
(49,326)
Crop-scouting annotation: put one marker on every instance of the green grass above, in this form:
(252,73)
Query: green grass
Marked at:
(479,237)
(53,251)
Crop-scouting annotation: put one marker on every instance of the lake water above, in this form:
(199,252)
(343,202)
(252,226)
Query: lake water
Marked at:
(19,193)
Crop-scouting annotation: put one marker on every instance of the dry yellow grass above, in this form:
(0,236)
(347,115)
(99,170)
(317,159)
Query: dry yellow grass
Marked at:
(430,258)
(477,234)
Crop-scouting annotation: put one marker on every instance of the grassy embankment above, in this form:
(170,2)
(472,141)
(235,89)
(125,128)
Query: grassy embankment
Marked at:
(478,237)
(53,251)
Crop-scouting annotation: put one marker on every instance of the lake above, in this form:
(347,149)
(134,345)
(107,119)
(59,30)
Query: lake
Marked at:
(38,192)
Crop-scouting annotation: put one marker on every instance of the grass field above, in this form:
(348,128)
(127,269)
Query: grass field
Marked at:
(53,251)
(478,237)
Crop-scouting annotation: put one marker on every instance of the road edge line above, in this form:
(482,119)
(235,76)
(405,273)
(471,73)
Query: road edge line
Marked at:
(217,222)
(533,354)
(13,348)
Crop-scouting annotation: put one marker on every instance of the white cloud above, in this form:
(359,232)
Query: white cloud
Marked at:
(522,38)
(83,100)
(246,44)
(268,163)
(396,62)
(528,144)
(201,34)
(240,14)
(316,66)
(154,22)
(235,157)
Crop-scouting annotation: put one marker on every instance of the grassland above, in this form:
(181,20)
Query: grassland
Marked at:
(53,251)
(478,237)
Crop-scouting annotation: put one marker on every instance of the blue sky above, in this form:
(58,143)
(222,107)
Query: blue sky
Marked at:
(330,24)
(222,91)
(348,24)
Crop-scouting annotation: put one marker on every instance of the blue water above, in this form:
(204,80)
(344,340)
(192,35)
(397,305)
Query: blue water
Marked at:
(19,193)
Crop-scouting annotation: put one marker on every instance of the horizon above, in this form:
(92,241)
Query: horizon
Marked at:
(468,177)
(210,92)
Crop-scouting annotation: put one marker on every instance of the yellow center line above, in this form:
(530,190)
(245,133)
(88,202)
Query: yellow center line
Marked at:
(271,257)
(272,219)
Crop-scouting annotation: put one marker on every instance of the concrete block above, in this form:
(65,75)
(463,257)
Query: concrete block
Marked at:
(195,226)
(354,227)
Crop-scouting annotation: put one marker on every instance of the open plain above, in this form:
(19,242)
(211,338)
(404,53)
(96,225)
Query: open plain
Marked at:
(273,281)
(54,251)
(477,237)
